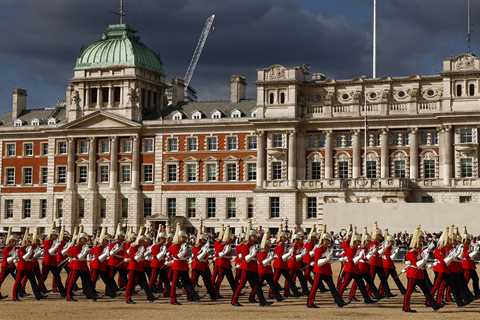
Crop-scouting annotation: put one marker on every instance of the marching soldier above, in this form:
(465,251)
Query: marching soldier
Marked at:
(9,255)
(469,253)
(51,246)
(200,267)
(223,256)
(158,268)
(387,253)
(280,264)
(98,264)
(117,249)
(265,257)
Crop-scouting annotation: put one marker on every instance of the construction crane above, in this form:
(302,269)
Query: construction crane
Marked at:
(198,50)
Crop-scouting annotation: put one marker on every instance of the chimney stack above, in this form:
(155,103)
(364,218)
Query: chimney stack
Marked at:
(238,88)
(178,91)
(19,103)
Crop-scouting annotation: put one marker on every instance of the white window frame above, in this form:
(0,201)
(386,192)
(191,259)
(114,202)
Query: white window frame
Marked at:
(57,175)
(252,145)
(151,143)
(82,146)
(230,146)
(102,143)
(7,150)
(101,174)
(80,176)
(7,178)
(228,165)
(24,153)
(208,144)
(191,172)
(249,166)
(58,145)
(192,143)
(41,176)
(124,178)
(172,142)
(151,173)
(167,172)
(215,171)
(24,176)
(126,145)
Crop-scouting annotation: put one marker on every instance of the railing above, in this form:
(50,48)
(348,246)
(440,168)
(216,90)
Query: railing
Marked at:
(360,183)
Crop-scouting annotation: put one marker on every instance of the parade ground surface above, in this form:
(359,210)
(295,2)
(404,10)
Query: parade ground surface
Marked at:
(293,308)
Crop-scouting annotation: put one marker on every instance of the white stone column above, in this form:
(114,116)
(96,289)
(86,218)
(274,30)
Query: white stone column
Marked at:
(292,156)
(87,96)
(113,163)
(413,142)
(110,96)
(92,164)
(99,97)
(135,162)
(384,154)
(446,154)
(301,158)
(260,159)
(356,168)
(70,164)
(328,155)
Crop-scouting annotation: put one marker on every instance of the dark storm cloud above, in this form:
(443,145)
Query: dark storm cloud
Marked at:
(44,37)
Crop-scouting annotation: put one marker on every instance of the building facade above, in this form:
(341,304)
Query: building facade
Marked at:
(118,151)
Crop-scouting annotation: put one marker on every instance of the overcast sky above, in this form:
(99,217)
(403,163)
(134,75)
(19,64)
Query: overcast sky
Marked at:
(41,39)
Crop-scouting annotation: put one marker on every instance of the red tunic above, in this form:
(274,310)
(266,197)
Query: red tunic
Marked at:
(349,265)
(325,269)
(293,264)
(75,264)
(95,264)
(24,264)
(134,265)
(278,262)
(262,255)
(362,264)
(467,262)
(440,265)
(48,259)
(155,263)
(387,261)
(412,271)
(222,262)
(177,265)
(375,259)
(308,247)
(197,264)
(116,260)
(252,264)
(5,254)
(60,257)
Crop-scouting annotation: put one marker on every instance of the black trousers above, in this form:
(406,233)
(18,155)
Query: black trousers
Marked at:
(112,272)
(221,273)
(289,284)
(463,291)
(370,284)
(348,277)
(206,278)
(392,272)
(87,286)
(473,275)
(377,270)
(20,276)
(55,271)
(254,282)
(109,286)
(328,280)
(134,278)
(274,288)
(301,278)
(182,276)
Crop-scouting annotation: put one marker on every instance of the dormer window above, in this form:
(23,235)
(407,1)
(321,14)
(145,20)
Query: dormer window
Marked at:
(35,122)
(18,123)
(217,115)
(177,116)
(254,114)
(236,114)
(52,121)
(197,115)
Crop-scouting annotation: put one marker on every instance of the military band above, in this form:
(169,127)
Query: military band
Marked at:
(162,261)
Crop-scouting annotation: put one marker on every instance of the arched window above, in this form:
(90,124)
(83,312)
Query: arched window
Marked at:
(459,90)
(52,121)
(282,98)
(271,98)
(471,89)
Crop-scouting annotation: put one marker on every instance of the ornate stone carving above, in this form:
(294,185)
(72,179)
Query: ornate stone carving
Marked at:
(465,62)
(133,96)
(76,99)
(276,72)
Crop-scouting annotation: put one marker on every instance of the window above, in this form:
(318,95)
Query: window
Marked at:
(316,170)
(104,174)
(343,140)
(171,207)
(102,208)
(124,208)
(429,169)
(315,141)
(427,199)
(177,116)
(216,115)
(271,98)
(211,207)
(93,95)
(28,149)
(27,175)
(125,173)
(471,89)
(82,174)
(61,175)
(274,207)
(61,147)
(311,207)
(459,90)
(251,171)
(276,170)
(231,208)
(211,171)
(26,208)
(277,140)
(371,169)
(59,208)
(8,209)
(192,144)
(172,144)
(35,122)
(147,145)
(466,135)
(191,172)
(116,94)
(282,98)
(465,199)
(82,146)
(212,144)
(43,175)
(11,149)
(43,208)
(399,169)
(126,145)
(171,172)
(250,208)
(104,92)
(191,207)
(10,176)
(252,142)
(232,143)
(103,146)
(197,115)
(147,207)
(231,172)
(147,173)
(343,169)
(81,208)
(466,168)
(44,149)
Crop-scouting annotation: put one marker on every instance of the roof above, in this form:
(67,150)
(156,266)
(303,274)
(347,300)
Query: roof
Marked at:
(119,47)
(207,108)
(42,114)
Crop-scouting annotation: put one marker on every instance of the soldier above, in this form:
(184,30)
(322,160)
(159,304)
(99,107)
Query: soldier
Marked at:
(469,253)
(98,264)
(376,263)
(416,261)
(295,263)
(322,259)
(280,266)
(116,264)
(51,247)
(223,256)
(265,257)
(157,264)
(200,267)
(9,255)
(387,253)
(180,252)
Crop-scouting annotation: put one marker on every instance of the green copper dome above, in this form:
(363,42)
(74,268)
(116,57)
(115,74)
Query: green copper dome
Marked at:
(119,47)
